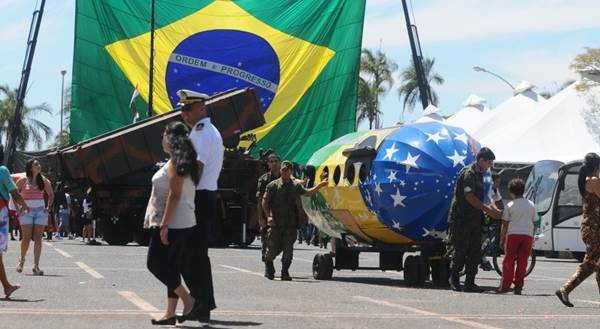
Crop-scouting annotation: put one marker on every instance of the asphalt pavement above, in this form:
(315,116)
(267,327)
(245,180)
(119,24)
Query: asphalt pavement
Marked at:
(110,287)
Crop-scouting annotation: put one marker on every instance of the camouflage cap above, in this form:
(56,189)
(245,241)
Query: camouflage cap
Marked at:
(287,164)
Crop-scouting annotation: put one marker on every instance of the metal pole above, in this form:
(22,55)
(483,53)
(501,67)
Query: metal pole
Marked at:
(423,90)
(151,70)
(34,29)
(481,69)
(62,107)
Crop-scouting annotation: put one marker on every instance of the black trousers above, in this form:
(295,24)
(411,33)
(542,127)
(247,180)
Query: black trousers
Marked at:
(165,261)
(197,264)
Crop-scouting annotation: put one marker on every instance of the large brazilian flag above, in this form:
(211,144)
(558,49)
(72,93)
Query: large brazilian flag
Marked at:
(301,56)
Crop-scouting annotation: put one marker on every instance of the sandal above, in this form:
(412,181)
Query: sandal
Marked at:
(20,265)
(36,271)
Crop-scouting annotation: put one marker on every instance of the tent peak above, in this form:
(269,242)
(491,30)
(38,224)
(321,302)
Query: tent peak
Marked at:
(474,101)
(522,87)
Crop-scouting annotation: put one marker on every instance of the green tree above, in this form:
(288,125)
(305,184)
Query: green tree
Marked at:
(376,79)
(409,87)
(33,130)
(590,59)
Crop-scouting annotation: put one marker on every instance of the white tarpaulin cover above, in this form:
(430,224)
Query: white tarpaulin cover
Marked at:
(564,128)
(471,116)
(524,101)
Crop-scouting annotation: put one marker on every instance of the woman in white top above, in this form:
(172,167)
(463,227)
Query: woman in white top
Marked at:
(170,217)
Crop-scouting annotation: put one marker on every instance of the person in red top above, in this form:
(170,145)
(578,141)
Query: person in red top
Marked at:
(32,187)
(7,190)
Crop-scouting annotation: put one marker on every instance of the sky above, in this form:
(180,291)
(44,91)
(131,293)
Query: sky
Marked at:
(526,40)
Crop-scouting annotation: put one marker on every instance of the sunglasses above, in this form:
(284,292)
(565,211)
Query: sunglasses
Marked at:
(273,161)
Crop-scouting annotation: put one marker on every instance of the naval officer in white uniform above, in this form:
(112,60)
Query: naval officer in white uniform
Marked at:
(208,143)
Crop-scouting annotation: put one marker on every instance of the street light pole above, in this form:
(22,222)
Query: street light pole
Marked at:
(481,69)
(62,108)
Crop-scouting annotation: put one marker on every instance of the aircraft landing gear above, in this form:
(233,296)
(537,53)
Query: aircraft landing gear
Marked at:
(415,271)
(323,267)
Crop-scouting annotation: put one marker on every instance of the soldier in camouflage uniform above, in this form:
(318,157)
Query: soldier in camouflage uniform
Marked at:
(464,223)
(589,188)
(279,203)
(263,181)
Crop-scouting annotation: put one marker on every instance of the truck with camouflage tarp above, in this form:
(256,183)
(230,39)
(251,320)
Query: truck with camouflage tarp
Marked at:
(118,166)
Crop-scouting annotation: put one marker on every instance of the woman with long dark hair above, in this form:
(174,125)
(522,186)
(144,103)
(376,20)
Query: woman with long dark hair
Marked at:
(170,217)
(589,188)
(33,187)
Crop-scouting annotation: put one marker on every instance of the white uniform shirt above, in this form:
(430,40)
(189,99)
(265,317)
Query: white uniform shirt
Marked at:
(208,143)
(520,214)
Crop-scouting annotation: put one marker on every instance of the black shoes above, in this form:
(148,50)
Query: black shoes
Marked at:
(269,270)
(564,298)
(164,322)
(285,276)
(518,290)
(473,288)
(486,266)
(198,313)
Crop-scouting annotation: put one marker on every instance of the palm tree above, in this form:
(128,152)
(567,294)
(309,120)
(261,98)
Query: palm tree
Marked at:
(376,80)
(409,87)
(32,129)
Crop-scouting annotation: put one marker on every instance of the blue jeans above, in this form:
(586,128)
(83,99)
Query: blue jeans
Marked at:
(36,216)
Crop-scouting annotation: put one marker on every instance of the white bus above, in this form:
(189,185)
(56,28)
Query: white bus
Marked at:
(552,186)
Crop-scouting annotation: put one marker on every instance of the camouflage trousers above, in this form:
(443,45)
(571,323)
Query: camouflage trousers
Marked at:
(264,237)
(466,249)
(591,262)
(281,239)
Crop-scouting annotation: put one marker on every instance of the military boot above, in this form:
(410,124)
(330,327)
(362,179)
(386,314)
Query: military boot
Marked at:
(470,285)
(455,282)
(269,270)
(285,274)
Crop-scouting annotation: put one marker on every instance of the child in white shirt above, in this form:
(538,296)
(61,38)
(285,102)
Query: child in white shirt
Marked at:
(516,236)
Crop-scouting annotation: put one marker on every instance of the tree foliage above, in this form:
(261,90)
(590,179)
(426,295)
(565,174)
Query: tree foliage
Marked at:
(32,130)
(376,79)
(590,59)
(409,87)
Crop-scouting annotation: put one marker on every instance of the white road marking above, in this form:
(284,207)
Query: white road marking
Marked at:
(89,270)
(389,304)
(241,270)
(136,300)
(469,323)
(298,314)
(426,313)
(143,305)
(62,252)
(48,244)
(587,301)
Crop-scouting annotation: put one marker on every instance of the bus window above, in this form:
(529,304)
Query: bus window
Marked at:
(569,200)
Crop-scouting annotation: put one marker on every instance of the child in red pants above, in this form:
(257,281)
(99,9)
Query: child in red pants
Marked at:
(516,236)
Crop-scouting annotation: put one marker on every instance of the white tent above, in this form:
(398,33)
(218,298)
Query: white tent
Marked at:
(471,115)
(565,128)
(431,113)
(524,101)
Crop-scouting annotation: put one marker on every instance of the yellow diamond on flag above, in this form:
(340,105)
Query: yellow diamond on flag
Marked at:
(281,79)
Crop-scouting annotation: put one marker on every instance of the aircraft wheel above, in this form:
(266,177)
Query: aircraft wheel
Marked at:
(439,272)
(423,271)
(323,267)
(411,271)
